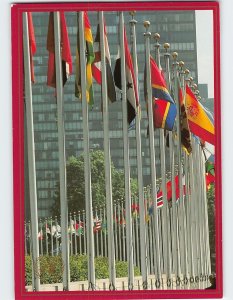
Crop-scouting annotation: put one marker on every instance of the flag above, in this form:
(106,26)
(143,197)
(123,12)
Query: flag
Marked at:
(97,225)
(209,179)
(164,108)
(96,66)
(65,51)
(32,44)
(199,122)
(184,126)
(169,192)
(40,235)
(131,87)
(89,60)
(159,89)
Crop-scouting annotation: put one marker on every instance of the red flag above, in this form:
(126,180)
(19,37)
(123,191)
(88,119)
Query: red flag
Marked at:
(32,44)
(209,179)
(65,51)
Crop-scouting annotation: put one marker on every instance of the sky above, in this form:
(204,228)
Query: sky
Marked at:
(204,30)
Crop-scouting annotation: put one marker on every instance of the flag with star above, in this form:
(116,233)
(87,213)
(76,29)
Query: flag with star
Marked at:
(131,88)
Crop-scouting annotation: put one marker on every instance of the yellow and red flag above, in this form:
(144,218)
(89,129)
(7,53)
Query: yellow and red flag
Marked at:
(199,122)
(90,57)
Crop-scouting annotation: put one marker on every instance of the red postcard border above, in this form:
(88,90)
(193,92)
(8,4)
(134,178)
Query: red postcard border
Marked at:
(18,147)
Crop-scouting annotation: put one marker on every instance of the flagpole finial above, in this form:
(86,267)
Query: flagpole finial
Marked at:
(132,13)
(187,79)
(197,92)
(199,98)
(181,64)
(157,37)
(132,21)
(194,86)
(175,55)
(146,24)
(191,78)
(166,46)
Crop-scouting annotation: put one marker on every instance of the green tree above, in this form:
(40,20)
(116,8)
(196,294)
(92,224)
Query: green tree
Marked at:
(76,183)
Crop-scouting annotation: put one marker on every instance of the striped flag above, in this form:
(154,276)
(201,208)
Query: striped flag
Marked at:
(96,66)
(199,122)
(131,87)
(32,44)
(65,51)
(97,225)
(89,60)
(164,108)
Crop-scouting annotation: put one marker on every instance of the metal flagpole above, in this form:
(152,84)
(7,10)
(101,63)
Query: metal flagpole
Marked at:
(96,235)
(142,227)
(129,244)
(87,163)
(116,230)
(120,229)
(202,207)
(51,234)
(165,219)
(192,197)
(147,35)
(80,233)
(204,237)
(182,225)
(107,160)
(31,159)
(105,233)
(186,197)
(101,233)
(174,237)
(75,234)
(123,229)
(189,198)
(193,216)
(197,210)
(84,232)
(46,236)
(200,211)
(208,265)
(62,157)
(71,235)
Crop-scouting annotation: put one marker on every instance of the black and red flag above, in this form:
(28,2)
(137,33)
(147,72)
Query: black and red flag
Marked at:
(65,51)
(131,87)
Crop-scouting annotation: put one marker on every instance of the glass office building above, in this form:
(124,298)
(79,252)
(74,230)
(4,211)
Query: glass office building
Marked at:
(176,27)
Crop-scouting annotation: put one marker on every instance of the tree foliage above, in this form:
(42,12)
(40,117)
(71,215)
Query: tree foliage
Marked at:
(76,183)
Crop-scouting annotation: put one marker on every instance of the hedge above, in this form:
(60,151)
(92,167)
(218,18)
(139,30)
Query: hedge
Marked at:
(51,269)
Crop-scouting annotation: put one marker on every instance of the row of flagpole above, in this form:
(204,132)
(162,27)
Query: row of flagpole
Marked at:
(172,246)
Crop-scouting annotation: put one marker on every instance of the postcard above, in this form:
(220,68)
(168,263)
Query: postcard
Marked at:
(117,150)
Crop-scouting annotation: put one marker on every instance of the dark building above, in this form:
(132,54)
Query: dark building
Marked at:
(176,27)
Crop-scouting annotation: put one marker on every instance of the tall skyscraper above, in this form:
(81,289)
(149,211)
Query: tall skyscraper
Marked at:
(176,27)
